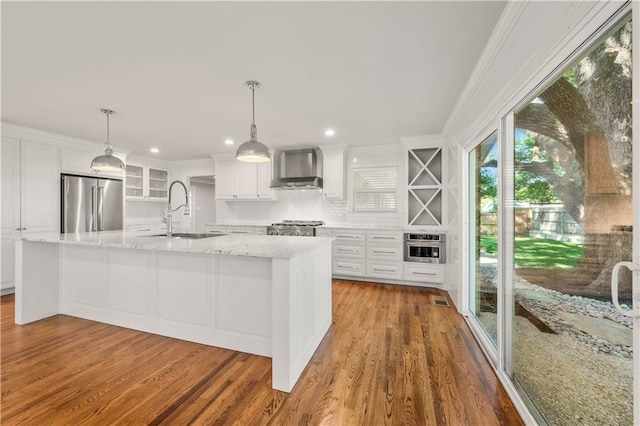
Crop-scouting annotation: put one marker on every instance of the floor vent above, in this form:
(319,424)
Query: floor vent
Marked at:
(439,300)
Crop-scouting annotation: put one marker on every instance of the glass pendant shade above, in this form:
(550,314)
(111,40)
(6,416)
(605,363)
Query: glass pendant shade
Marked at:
(253,151)
(107,162)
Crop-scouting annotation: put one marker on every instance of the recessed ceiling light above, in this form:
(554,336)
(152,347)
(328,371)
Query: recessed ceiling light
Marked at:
(154,150)
(329,132)
(229,142)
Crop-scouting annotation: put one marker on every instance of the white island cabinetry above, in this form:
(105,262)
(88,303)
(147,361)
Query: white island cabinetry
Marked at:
(269,296)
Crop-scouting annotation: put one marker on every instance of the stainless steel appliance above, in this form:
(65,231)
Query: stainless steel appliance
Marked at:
(90,204)
(298,228)
(297,169)
(427,248)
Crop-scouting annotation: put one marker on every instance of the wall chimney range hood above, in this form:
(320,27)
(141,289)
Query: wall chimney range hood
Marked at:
(297,169)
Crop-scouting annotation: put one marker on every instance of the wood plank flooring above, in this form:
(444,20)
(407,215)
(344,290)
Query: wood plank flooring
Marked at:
(391,357)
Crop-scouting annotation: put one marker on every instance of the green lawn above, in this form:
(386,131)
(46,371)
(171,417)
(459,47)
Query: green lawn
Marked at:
(539,253)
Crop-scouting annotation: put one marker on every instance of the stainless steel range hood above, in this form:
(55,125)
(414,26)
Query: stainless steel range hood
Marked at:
(297,169)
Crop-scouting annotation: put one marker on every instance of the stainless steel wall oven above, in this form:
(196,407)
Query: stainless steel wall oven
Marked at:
(426,248)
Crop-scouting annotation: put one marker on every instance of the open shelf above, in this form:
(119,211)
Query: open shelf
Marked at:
(424,186)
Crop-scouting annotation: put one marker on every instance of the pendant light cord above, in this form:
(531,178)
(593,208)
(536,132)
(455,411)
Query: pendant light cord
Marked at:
(253,103)
(108,138)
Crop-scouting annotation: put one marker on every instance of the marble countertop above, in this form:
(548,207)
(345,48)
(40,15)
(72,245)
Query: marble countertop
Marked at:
(269,246)
(364,226)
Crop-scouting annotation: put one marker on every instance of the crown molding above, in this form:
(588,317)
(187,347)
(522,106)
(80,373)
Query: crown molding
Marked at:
(549,54)
(27,133)
(420,141)
(506,25)
(200,162)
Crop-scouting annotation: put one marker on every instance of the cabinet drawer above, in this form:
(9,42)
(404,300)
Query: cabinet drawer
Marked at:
(425,273)
(349,234)
(348,267)
(342,250)
(217,229)
(384,236)
(385,270)
(240,230)
(323,232)
(384,251)
(153,227)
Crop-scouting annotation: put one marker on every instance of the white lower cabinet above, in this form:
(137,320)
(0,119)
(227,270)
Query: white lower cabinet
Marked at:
(8,263)
(236,229)
(423,273)
(379,255)
(150,227)
(349,252)
(385,270)
(240,230)
(349,249)
(348,266)
(217,229)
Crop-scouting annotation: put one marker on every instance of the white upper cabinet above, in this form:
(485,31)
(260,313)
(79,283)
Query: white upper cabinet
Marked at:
(333,173)
(264,180)
(146,183)
(246,180)
(225,180)
(237,180)
(10,185)
(30,186)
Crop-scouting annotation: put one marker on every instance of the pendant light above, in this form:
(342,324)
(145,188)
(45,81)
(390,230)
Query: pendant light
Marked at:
(253,151)
(107,162)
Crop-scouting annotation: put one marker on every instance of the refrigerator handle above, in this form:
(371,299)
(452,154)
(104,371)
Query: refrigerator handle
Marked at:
(100,211)
(65,183)
(93,208)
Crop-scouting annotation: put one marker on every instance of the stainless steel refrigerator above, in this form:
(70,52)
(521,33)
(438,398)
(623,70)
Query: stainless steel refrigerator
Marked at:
(91,204)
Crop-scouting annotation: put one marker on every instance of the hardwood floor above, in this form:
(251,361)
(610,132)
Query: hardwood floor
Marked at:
(391,357)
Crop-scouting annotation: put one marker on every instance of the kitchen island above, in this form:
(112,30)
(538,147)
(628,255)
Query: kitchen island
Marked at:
(264,295)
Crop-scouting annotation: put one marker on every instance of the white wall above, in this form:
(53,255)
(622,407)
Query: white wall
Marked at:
(203,205)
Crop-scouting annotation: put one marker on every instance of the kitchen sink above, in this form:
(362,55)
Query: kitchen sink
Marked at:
(189,235)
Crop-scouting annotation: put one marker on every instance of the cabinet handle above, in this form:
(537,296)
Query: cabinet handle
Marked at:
(424,273)
(384,252)
(347,236)
(384,270)
(352,268)
(18,229)
(377,237)
(344,250)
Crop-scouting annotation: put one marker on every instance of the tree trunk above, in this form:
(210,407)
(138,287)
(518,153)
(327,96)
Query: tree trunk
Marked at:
(591,118)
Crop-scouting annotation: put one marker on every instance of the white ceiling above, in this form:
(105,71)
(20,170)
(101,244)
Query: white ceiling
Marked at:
(174,72)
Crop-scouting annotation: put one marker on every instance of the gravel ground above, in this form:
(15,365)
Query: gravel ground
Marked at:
(575,378)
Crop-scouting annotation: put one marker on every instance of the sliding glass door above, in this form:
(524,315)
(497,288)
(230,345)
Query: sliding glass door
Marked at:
(553,216)
(571,351)
(483,233)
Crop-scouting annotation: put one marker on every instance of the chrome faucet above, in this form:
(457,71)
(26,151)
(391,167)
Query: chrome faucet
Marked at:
(186,205)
